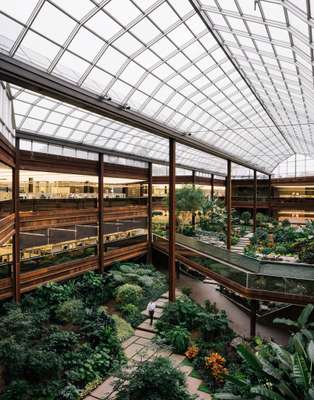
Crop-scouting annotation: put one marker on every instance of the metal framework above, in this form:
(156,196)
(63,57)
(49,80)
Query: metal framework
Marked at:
(171,63)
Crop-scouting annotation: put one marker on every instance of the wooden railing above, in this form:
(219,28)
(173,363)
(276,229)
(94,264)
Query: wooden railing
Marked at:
(32,279)
(6,228)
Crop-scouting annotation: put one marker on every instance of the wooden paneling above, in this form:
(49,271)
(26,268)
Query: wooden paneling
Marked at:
(7,152)
(6,228)
(56,273)
(31,221)
(70,165)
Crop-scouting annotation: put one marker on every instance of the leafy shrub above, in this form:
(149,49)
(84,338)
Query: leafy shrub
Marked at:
(124,329)
(234,239)
(187,291)
(245,217)
(92,288)
(60,341)
(70,311)
(285,235)
(132,314)
(155,380)
(188,230)
(267,250)
(259,237)
(250,251)
(281,249)
(242,231)
(306,255)
(129,294)
(178,338)
(261,219)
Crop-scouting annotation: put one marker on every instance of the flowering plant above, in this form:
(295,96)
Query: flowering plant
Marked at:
(216,364)
(192,352)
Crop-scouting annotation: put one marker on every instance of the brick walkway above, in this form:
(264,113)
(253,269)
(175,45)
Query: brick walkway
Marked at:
(140,347)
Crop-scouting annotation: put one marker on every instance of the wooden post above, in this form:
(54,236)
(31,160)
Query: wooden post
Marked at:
(254,201)
(172,220)
(254,308)
(150,212)
(212,187)
(101,212)
(270,213)
(193,184)
(16,237)
(228,204)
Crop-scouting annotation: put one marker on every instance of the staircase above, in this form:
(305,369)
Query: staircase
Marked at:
(243,242)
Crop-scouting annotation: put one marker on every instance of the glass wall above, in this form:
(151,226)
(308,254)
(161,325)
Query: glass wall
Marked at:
(125,203)
(46,190)
(6,203)
(6,258)
(52,242)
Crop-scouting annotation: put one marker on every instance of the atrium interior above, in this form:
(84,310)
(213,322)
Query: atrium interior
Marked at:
(156,199)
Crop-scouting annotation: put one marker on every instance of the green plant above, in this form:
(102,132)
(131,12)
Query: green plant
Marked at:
(187,291)
(124,329)
(245,217)
(259,237)
(70,311)
(132,314)
(129,294)
(306,254)
(152,380)
(178,338)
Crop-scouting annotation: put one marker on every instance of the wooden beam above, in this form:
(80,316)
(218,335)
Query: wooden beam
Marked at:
(254,200)
(150,211)
(16,237)
(172,220)
(101,212)
(193,184)
(270,213)
(212,189)
(229,204)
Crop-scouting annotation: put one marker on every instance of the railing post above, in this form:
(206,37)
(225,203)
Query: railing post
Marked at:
(150,212)
(212,186)
(228,204)
(101,212)
(172,219)
(16,237)
(193,184)
(254,201)
(269,197)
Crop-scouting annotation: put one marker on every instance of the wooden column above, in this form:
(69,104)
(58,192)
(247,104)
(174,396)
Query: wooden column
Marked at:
(254,308)
(228,204)
(150,212)
(270,213)
(254,200)
(101,212)
(16,237)
(212,187)
(193,184)
(172,219)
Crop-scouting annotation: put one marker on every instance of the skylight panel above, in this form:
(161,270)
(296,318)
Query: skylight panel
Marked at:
(15,9)
(127,44)
(78,9)
(48,18)
(163,16)
(147,59)
(79,44)
(112,60)
(103,25)
(132,73)
(273,11)
(130,12)
(11,30)
(70,67)
(145,31)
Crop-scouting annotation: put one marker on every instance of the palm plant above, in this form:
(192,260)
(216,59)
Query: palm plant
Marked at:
(274,372)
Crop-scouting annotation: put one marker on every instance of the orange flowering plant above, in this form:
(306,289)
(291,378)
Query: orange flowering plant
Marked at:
(216,364)
(192,352)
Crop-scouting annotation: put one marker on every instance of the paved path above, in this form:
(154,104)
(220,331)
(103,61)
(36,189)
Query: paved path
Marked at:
(140,347)
(240,321)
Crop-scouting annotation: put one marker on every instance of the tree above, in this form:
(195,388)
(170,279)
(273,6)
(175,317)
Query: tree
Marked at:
(245,217)
(188,201)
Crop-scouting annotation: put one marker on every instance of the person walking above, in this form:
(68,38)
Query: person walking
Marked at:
(151,310)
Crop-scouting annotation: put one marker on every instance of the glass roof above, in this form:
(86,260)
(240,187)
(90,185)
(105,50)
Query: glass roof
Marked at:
(159,57)
(50,118)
